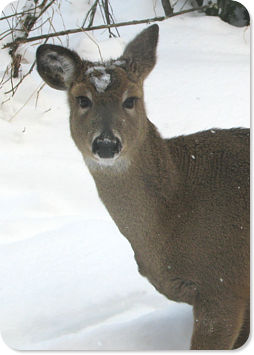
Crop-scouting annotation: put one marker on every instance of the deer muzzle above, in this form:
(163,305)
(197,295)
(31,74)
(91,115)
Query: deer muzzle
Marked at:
(106,145)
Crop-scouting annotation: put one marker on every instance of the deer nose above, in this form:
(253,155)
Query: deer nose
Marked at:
(106,145)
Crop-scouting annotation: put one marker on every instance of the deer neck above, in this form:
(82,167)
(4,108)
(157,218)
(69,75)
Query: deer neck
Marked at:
(137,196)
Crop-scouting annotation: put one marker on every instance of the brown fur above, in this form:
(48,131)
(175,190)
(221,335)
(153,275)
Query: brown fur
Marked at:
(182,203)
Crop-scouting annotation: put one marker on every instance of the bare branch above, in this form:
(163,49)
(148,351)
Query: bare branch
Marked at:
(22,30)
(38,93)
(2,82)
(107,15)
(45,8)
(91,13)
(112,17)
(115,25)
(29,98)
(97,45)
(167,7)
(14,88)
(5,34)
(24,12)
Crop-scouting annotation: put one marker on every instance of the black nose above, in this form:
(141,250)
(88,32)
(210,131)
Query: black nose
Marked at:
(107,145)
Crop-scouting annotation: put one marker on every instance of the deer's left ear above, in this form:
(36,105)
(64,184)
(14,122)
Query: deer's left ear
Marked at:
(141,52)
(58,66)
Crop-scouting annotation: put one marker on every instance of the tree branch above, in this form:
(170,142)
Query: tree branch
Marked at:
(23,12)
(120,24)
(107,15)
(90,13)
(167,7)
(22,30)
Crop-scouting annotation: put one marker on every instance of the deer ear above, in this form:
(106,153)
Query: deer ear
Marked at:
(141,52)
(58,66)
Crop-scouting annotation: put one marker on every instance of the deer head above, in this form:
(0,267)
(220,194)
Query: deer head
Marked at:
(107,113)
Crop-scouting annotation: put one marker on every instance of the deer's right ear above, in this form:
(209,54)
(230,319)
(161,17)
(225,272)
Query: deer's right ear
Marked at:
(58,66)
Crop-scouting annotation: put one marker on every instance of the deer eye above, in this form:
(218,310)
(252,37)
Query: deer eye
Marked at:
(129,102)
(84,101)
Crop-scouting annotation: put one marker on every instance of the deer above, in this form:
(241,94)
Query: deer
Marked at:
(182,202)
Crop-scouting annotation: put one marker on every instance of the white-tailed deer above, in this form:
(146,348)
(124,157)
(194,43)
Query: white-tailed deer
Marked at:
(182,203)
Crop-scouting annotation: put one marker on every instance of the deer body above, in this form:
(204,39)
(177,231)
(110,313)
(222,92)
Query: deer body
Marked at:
(182,203)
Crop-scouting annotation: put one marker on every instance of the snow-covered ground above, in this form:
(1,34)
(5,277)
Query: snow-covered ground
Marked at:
(68,279)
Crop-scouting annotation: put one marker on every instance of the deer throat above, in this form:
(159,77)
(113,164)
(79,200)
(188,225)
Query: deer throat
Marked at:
(137,193)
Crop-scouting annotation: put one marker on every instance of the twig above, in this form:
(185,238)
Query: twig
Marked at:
(93,40)
(52,26)
(10,27)
(167,7)
(5,34)
(24,12)
(183,6)
(38,93)
(112,17)
(63,23)
(91,12)
(102,11)
(27,22)
(2,82)
(45,8)
(120,24)
(14,88)
(107,15)
(29,98)
(4,102)
(39,26)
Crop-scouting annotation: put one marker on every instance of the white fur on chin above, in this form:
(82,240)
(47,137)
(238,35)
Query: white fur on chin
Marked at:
(116,164)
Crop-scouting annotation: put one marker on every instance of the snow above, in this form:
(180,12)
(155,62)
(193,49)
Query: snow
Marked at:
(99,77)
(118,63)
(28,9)
(68,278)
